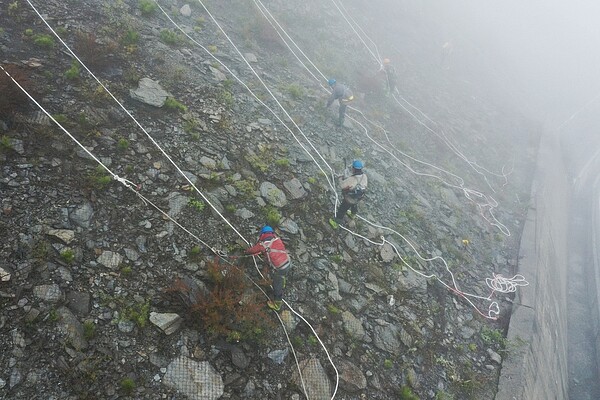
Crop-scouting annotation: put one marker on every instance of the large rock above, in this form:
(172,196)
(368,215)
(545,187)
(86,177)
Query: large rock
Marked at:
(65,235)
(70,326)
(176,203)
(295,188)
(351,377)
(386,338)
(387,252)
(149,92)
(196,380)
(410,281)
(316,381)
(50,293)
(110,259)
(353,326)
(166,322)
(82,215)
(272,194)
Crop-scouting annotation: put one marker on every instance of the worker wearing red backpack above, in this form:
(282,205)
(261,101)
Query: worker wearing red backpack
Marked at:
(272,247)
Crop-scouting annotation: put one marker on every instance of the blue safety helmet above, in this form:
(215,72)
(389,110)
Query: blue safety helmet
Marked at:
(331,81)
(357,164)
(266,229)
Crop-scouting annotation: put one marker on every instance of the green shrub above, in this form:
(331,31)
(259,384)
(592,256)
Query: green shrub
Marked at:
(197,204)
(5,143)
(126,270)
(190,125)
(128,385)
(407,394)
(493,336)
(60,118)
(245,186)
(283,162)
(98,178)
(73,72)
(272,215)
(170,37)
(147,7)
(173,105)
(44,41)
(130,38)
(138,313)
(68,256)
(29,32)
(333,309)
(123,144)
(296,91)
(387,363)
(226,98)
(195,251)
(89,330)
(212,48)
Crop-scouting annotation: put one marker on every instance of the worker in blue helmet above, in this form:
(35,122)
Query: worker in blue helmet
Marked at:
(354,188)
(277,257)
(343,95)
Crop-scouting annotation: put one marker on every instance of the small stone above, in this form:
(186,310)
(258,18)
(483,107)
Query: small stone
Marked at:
(4,275)
(110,259)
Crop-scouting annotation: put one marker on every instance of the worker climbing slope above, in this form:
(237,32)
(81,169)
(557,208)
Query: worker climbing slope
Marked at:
(343,95)
(273,248)
(354,188)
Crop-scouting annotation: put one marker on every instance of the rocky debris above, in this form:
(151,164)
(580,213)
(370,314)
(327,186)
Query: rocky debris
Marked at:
(127,254)
(196,380)
(149,92)
(316,382)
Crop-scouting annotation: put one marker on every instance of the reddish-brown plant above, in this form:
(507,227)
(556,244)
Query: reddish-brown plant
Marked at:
(13,99)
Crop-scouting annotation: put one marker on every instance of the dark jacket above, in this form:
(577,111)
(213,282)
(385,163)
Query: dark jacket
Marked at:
(340,92)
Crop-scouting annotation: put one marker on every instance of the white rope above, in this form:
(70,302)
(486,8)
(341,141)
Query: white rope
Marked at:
(375,57)
(134,188)
(164,153)
(493,309)
(326,174)
(138,124)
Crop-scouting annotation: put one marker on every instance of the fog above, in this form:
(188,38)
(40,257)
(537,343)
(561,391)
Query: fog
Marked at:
(545,55)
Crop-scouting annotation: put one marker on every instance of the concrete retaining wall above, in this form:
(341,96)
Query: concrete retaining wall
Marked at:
(535,367)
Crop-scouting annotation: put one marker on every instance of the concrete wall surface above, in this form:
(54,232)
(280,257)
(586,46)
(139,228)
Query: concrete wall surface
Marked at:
(535,366)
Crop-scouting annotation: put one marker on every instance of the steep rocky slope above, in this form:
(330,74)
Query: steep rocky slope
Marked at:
(91,270)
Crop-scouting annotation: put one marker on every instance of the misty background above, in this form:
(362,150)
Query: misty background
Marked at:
(544,56)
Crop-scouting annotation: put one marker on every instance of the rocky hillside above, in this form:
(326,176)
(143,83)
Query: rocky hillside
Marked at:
(111,285)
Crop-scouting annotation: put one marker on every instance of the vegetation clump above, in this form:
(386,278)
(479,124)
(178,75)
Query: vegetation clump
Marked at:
(173,105)
(228,310)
